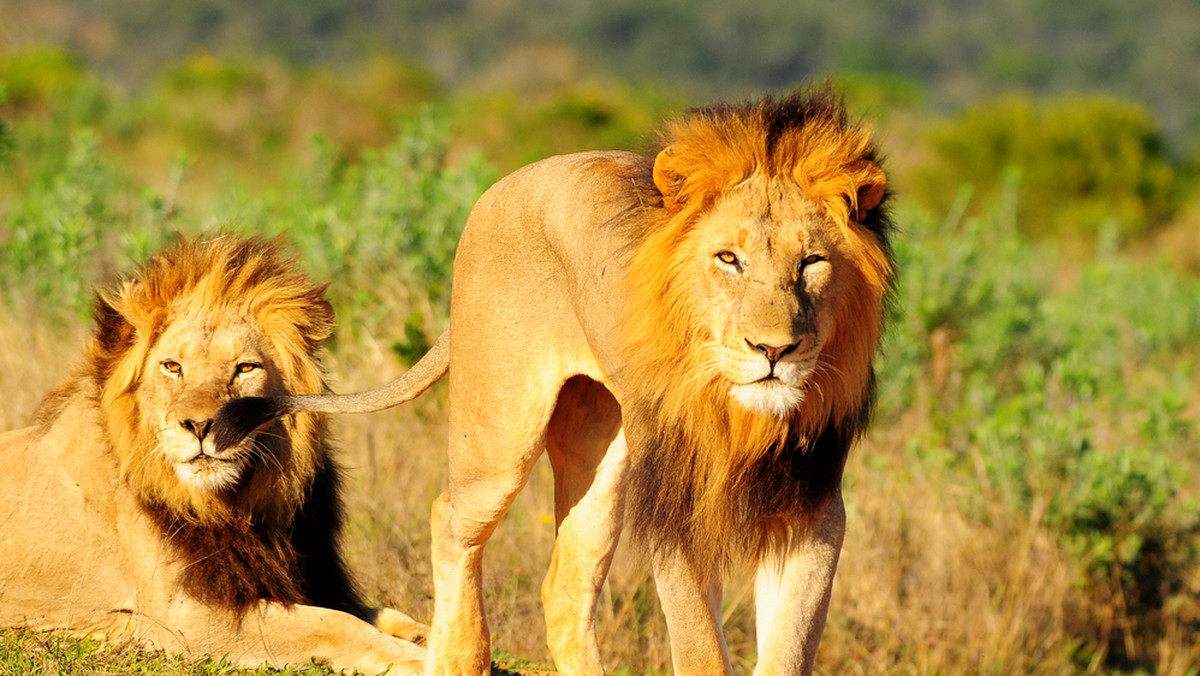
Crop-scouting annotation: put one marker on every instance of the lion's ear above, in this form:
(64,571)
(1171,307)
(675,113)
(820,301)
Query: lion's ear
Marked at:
(668,179)
(125,311)
(319,318)
(114,331)
(872,185)
(321,322)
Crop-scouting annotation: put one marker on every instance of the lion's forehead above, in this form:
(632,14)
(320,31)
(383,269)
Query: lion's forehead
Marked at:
(211,340)
(782,220)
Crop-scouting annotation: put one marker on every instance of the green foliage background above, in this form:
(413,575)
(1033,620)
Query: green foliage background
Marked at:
(1079,164)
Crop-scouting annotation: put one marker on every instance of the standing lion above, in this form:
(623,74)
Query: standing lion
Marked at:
(691,338)
(121,518)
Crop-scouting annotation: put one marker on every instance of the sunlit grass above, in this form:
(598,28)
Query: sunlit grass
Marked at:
(27,653)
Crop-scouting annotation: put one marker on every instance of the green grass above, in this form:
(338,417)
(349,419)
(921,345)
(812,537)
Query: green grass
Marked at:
(28,653)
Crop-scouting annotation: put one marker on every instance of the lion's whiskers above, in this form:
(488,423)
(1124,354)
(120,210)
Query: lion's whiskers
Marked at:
(261,451)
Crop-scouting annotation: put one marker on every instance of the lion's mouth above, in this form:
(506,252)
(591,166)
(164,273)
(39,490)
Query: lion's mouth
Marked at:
(209,472)
(770,380)
(203,460)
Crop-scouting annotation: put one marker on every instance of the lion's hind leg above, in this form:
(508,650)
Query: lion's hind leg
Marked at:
(589,458)
(490,460)
(396,623)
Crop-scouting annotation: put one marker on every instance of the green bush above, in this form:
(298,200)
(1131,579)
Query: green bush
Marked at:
(1081,164)
(37,77)
(516,128)
(60,237)
(384,227)
(51,82)
(5,132)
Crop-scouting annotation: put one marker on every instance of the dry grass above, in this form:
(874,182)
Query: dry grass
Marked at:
(33,358)
(922,590)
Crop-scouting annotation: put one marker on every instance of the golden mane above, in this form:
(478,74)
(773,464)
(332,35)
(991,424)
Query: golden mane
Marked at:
(218,278)
(723,450)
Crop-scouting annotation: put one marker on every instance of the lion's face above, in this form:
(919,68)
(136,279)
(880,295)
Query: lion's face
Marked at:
(195,366)
(767,260)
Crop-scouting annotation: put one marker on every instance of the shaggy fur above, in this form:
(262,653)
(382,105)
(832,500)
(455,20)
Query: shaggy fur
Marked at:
(709,477)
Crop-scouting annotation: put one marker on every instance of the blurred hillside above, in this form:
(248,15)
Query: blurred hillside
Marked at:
(956,51)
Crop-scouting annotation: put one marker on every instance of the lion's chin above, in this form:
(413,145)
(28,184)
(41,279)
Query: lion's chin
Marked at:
(768,397)
(209,474)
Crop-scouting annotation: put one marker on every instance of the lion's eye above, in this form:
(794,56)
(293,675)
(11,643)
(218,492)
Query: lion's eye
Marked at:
(811,259)
(728,258)
(247,366)
(171,367)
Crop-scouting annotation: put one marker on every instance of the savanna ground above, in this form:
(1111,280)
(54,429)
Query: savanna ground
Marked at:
(1026,502)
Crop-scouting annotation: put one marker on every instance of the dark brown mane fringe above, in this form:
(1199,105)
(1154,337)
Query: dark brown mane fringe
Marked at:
(233,563)
(667,479)
(238,561)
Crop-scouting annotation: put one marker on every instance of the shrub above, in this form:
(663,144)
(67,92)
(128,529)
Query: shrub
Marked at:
(59,238)
(5,132)
(384,227)
(1081,164)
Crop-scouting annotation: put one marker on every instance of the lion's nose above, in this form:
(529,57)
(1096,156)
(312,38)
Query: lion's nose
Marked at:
(197,427)
(773,353)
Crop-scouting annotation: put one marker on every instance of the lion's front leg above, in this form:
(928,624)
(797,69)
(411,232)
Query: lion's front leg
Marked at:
(792,591)
(691,600)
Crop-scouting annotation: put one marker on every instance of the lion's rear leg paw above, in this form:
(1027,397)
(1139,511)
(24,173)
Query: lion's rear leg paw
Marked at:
(396,623)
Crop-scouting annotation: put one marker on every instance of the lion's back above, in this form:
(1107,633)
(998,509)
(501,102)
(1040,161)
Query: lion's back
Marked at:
(546,249)
(565,199)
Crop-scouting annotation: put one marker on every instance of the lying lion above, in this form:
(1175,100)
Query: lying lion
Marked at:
(691,337)
(120,518)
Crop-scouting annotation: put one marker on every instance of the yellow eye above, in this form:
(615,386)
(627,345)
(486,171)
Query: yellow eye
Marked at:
(172,367)
(814,258)
(727,257)
(246,367)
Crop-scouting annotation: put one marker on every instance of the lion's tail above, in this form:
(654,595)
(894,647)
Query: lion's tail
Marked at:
(241,417)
